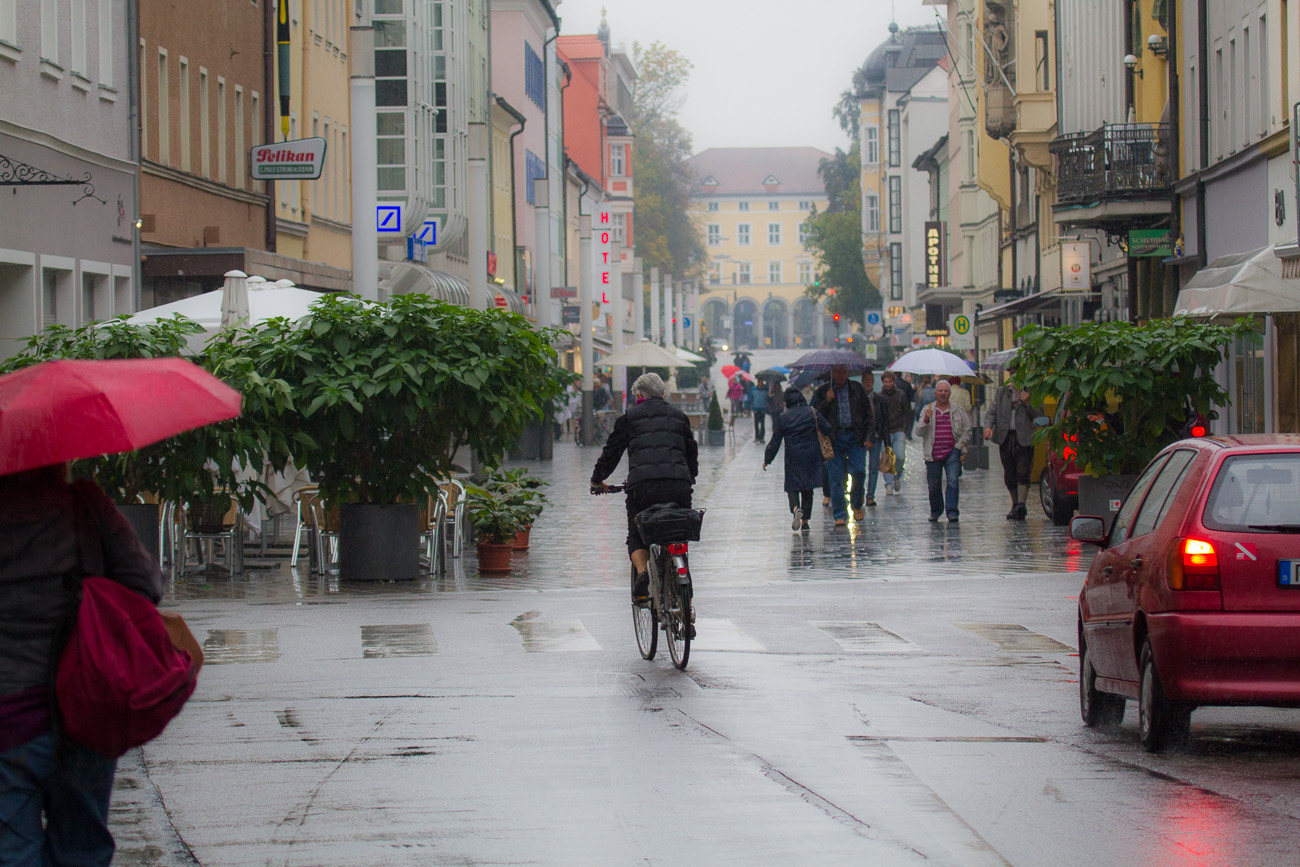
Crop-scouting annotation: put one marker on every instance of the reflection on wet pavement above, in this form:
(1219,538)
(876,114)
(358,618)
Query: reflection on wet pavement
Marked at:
(1014,638)
(549,636)
(864,637)
(239,645)
(410,639)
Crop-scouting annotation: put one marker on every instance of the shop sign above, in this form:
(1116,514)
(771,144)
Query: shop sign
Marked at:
(602,248)
(564,292)
(297,160)
(960,333)
(570,315)
(936,256)
(1076,267)
(1147,243)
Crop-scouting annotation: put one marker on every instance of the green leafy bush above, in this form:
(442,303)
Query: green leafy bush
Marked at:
(1130,386)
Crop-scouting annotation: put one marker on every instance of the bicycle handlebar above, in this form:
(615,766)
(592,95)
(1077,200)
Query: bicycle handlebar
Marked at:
(610,489)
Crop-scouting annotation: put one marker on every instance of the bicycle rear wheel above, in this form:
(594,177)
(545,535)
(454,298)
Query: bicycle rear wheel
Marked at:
(678,626)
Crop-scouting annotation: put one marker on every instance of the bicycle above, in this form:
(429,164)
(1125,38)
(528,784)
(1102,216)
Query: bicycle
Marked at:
(669,606)
(602,425)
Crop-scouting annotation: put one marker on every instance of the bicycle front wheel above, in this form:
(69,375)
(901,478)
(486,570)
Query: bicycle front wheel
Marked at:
(677,617)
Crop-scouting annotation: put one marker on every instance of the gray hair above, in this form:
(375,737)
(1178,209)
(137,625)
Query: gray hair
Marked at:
(649,385)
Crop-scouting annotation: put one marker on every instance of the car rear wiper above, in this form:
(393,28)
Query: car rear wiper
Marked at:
(1276,528)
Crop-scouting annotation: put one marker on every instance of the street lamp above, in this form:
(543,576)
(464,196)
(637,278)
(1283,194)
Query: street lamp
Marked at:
(1130,63)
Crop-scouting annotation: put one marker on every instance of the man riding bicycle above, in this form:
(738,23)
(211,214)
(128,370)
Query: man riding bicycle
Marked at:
(662,463)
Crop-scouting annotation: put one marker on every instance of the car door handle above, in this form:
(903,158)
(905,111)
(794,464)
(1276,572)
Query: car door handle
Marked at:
(1136,563)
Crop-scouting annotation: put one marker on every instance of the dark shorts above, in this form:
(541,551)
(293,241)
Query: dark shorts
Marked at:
(647,494)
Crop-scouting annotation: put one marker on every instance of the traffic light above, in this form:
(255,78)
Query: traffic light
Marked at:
(835,317)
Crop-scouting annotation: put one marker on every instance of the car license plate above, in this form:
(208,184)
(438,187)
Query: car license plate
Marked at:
(1288,573)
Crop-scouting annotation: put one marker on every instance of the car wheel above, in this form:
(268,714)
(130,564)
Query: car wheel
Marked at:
(1161,723)
(1098,709)
(1053,503)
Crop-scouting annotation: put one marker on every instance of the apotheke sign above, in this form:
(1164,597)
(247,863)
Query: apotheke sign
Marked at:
(298,160)
(936,257)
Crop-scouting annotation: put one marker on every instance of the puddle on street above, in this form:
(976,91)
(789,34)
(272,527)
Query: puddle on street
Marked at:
(403,639)
(241,645)
(1014,638)
(550,636)
(864,637)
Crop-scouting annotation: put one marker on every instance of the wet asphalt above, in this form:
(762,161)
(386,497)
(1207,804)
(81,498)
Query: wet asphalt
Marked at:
(896,692)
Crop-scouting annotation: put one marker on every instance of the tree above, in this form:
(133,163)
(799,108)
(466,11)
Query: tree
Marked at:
(666,237)
(835,237)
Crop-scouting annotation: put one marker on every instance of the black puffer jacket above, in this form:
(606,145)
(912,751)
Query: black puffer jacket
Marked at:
(798,426)
(659,444)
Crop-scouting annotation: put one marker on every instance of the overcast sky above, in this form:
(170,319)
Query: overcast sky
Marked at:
(766,73)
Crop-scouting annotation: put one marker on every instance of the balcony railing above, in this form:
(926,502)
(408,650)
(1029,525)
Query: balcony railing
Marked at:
(1118,161)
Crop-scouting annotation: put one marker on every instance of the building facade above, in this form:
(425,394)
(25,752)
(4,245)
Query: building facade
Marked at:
(68,171)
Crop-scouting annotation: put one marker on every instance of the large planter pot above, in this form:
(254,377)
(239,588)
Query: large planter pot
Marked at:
(715,437)
(535,443)
(379,543)
(143,518)
(1102,496)
(521,539)
(977,457)
(493,557)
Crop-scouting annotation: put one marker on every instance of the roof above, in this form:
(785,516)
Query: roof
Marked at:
(742,171)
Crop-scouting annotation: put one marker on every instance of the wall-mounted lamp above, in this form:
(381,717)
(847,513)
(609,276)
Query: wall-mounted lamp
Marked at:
(1131,63)
(1156,43)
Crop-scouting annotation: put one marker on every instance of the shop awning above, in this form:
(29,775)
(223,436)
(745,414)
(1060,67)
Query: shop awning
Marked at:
(1243,284)
(1035,303)
(404,278)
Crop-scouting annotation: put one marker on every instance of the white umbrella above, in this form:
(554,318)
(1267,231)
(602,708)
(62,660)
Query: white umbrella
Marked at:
(264,300)
(643,353)
(685,354)
(234,299)
(933,362)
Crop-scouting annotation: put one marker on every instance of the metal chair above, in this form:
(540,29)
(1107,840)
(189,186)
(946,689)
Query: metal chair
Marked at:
(226,530)
(432,534)
(453,523)
(324,548)
(301,506)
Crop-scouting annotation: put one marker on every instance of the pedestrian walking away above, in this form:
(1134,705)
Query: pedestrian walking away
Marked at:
(736,394)
(54,792)
(879,434)
(945,430)
(758,402)
(904,384)
(845,405)
(797,427)
(662,463)
(775,401)
(1009,423)
(899,409)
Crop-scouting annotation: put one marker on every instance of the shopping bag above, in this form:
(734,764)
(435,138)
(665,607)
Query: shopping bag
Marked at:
(887,461)
(828,447)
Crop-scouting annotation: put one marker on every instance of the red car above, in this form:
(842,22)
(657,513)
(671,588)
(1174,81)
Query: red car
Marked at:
(1194,598)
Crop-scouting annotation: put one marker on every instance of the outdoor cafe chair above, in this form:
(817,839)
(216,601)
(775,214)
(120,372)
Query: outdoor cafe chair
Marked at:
(433,534)
(302,517)
(324,547)
(209,531)
(453,523)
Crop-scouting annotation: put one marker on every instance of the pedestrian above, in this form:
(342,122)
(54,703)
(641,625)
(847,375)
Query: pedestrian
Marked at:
(879,434)
(945,430)
(798,427)
(758,403)
(846,407)
(706,392)
(54,793)
(1009,423)
(671,386)
(960,395)
(899,410)
(775,401)
(662,463)
(926,395)
(601,399)
(904,384)
(736,394)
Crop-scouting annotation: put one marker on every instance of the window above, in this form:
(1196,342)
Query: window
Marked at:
(774,272)
(78,63)
(534,77)
(1124,520)
(1162,494)
(239,137)
(970,156)
(871,149)
(713,206)
(895,138)
(50,30)
(1042,66)
(896,271)
(803,234)
(1264,119)
(1254,491)
(185,114)
(774,234)
(805,273)
(620,230)
(221,129)
(714,234)
(805,204)
(164,106)
(743,206)
(774,206)
(895,204)
(391,128)
(742,234)
(205,126)
(9,21)
(316,184)
(715,273)
(534,168)
(742,272)
(871,212)
(616,160)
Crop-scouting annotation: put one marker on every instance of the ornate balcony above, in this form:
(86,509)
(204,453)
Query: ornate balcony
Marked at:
(1119,172)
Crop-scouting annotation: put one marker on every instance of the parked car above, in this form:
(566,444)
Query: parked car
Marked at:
(1194,597)
(1058,486)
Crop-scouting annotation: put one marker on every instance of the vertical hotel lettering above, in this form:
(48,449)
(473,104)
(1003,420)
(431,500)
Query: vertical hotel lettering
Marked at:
(603,248)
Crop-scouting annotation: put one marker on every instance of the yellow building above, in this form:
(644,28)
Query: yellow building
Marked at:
(314,218)
(750,208)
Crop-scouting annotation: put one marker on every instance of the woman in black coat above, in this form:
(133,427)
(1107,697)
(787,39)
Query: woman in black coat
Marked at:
(798,426)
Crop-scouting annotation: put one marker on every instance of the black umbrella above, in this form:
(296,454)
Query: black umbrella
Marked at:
(804,378)
(770,375)
(825,359)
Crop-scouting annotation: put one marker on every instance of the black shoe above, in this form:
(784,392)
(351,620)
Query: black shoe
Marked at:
(1014,514)
(1022,511)
(952,519)
(934,519)
(641,587)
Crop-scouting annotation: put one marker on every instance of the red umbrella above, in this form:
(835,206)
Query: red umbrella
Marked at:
(729,370)
(64,410)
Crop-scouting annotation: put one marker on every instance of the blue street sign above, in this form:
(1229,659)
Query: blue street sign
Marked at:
(686,322)
(388,218)
(873,318)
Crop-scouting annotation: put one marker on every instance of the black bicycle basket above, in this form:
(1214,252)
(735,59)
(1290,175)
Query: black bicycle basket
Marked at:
(666,522)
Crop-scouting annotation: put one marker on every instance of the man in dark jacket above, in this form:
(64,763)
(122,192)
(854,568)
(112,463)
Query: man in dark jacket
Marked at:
(662,463)
(798,426)
(879,434)
(848,409)
(900,411)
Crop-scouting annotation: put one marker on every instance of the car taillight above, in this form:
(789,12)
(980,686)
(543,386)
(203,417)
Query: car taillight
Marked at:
(1198,430)
(1193,565)
(677,548)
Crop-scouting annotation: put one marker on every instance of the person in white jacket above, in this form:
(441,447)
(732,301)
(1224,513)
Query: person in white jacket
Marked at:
(945,430)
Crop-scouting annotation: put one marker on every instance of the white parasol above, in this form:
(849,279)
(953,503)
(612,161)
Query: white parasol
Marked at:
(643,353)
(234,299)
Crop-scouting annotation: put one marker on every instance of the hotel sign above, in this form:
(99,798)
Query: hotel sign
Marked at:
(936,254)
(297,160)
(602,248)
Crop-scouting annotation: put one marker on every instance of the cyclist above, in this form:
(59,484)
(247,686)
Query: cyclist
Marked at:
(662,463)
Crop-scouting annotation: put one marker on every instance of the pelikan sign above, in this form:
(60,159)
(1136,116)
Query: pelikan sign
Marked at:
(297,160)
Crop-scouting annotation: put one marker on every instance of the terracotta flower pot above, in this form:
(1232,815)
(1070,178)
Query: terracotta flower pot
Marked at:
(493,557)
(521,539)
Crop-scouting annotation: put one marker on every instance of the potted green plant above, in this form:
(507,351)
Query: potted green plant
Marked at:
(498,515)
(387,394)
(524,490)
(715,433)
(1130,389)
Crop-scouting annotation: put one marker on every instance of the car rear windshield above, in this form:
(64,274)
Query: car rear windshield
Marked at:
(1256,494)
